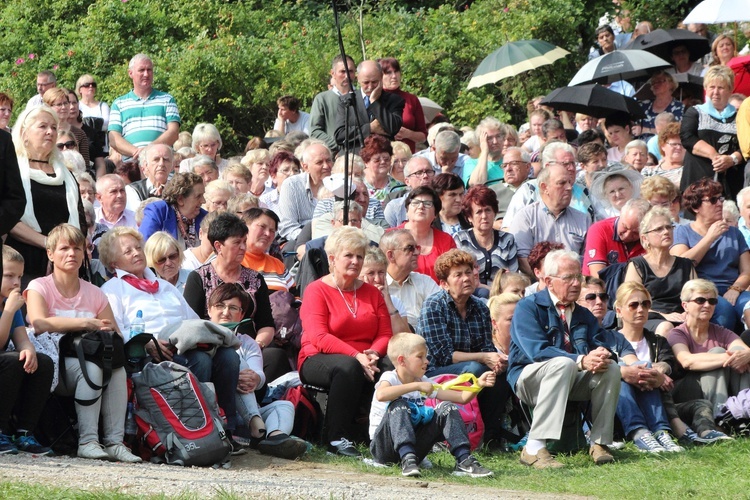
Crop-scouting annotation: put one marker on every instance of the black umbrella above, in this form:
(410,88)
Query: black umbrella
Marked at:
(593,100)
(661,42)
(618,65)
(688,85)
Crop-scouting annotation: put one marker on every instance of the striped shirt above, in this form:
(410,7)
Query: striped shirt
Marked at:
(272,269)
(142,121)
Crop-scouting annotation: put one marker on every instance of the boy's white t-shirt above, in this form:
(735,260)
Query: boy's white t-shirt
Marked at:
(378,408)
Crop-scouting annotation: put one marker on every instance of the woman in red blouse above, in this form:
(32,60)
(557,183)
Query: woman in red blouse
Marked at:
(346,332)
(413,130)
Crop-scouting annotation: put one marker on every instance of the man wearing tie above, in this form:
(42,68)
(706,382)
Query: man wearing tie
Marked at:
(558,353)
(379,112)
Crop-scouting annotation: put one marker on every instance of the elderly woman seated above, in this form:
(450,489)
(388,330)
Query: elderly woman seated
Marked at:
(716,360)
(165,257)
(458,330)
(135,288)
(217,195)
(612,188)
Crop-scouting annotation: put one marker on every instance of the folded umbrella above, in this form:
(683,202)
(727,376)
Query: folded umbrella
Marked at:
(514,58)
(619,65)
(430,108)
(593,100)
(661,42)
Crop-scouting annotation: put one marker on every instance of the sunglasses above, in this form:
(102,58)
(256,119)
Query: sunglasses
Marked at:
(702,300)
(88,85)
(590,297)
(171,256)
(62,146)
(713,200)
(646,304)
(661,229)
(411,248)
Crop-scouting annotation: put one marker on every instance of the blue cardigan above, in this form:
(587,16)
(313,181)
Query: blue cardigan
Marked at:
(536,334)
(158,216)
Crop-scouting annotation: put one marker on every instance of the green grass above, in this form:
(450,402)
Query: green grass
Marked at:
(710,472)
(714,472)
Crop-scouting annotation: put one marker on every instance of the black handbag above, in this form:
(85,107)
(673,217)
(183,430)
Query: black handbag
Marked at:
(102,347)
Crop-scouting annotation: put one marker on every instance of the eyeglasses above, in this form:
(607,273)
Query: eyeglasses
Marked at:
(171,256)
(569,278)
(590,297)
(411,248)
(61,104)
(422,173)
(566,164)
(289,172)
(62,146)
(223,307)
(397,161)
(88,85)
(702,300)
(713,200)
(633,306)
(661,229)
(351,221)
(515,164)
(674,144)
(422,203)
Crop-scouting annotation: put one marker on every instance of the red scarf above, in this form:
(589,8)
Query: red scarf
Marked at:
(143,284)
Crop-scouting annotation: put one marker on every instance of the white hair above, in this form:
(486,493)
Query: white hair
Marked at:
(553,259)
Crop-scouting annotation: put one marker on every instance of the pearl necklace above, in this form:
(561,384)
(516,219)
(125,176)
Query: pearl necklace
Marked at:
(352,310)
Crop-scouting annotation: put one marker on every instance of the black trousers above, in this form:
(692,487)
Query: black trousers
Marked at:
(348,389)
(23,394)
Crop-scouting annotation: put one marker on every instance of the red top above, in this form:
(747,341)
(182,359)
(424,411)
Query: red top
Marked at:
(441,243)
(329,327)
(603,246)
(412,116)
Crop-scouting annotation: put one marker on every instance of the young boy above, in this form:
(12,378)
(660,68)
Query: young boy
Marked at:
(26,376)
(402,428)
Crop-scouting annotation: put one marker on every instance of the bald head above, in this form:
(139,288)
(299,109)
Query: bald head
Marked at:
(369,76)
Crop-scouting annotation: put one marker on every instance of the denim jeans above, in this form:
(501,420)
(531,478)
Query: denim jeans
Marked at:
(638,409)
(223,370)
(728,315)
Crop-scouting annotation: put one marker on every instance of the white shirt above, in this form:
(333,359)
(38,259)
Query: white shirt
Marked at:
(160,309)
(127,218)
(412,293)
(302,124)
(378,408)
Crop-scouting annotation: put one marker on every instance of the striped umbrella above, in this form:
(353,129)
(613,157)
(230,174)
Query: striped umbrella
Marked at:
(514,58)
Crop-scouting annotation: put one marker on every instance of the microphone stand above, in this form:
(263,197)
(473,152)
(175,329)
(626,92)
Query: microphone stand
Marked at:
(351,104)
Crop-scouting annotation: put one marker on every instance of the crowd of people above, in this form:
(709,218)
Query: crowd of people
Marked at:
(572,258)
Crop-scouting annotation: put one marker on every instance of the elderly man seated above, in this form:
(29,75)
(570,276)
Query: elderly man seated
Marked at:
(516,165)
(616,239)
(445,153)
(558,353)
(411,287)
(458,331)
(551,218)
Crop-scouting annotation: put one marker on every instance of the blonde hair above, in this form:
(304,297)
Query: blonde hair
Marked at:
(697,285)
(239,170)
(503,280)
(218,185)
(65,232)
(401,147)
(108,251)
(256,156)
(627,289)
(503,299)
(158,245)
(10,254)
(346,238)
(403,344)
(25,120)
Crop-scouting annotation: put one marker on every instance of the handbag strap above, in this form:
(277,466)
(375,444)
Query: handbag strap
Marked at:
(106,368)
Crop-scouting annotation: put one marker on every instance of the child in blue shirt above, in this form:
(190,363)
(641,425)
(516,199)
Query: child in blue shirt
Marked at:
(402,428)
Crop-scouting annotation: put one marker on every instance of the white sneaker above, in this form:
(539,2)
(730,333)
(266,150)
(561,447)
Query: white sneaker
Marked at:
(120,453)
(92,450)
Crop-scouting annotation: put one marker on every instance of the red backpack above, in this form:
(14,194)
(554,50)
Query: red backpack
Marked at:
(470,413)
(308,418)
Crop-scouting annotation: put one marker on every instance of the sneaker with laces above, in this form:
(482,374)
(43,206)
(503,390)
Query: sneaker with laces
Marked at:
(92,450)
(409,466)
(713,436)
(667,442)
(28,444)
(120,453)
(343,447)
(647,443)
(472,468)
(7,446)
(237,448)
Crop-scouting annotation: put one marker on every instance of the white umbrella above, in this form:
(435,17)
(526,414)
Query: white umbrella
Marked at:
(430,109)
(719,11)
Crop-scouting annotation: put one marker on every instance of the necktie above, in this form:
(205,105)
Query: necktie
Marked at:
(367,102)
(566,339)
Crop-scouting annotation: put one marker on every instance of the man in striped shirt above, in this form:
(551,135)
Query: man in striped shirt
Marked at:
(143,115)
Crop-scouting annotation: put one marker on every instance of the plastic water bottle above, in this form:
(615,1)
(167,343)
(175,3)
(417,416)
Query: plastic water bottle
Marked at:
(131,428)
(138,325)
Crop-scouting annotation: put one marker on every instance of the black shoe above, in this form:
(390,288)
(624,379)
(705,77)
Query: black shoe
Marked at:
(255,441)
(410,466)
(344,448)
(237,448)
(283,446)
